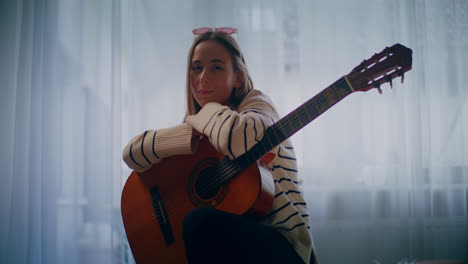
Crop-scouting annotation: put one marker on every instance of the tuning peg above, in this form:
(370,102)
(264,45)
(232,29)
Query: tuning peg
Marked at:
(389,80)
(402,75)
(378,88)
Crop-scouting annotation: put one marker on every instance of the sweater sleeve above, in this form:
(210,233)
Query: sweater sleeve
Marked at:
(231,132)
(151,146)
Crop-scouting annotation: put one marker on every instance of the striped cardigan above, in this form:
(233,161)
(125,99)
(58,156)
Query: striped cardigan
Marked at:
(233,133)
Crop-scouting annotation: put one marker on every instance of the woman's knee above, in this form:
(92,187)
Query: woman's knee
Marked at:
(200,222)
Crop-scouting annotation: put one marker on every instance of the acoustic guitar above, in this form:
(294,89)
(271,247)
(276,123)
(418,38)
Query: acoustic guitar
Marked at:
(154,203)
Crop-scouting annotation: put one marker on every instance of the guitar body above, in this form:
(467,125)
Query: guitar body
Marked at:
(154,203)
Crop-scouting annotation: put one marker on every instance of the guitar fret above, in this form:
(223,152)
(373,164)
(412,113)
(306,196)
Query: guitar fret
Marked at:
(297,119)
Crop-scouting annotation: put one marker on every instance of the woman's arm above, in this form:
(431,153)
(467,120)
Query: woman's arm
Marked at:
(234,132)
(151,146)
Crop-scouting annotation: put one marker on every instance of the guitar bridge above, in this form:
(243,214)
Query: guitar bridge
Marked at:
(161,216)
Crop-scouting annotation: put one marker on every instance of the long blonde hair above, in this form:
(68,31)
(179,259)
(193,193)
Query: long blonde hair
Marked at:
(238,62)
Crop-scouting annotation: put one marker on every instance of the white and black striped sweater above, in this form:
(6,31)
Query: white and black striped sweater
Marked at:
(233,133)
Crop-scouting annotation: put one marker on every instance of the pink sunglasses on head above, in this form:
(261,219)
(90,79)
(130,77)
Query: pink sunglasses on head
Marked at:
(222,30)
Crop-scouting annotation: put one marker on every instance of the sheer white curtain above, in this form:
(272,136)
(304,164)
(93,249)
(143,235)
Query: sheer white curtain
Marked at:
(385,176)
(61,131)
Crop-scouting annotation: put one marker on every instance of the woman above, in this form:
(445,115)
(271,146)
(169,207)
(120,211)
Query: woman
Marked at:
(223,106)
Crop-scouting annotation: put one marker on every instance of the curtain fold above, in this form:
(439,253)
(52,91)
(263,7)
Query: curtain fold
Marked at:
(385,176)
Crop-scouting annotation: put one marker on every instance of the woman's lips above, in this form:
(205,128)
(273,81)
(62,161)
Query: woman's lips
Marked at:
(205,92)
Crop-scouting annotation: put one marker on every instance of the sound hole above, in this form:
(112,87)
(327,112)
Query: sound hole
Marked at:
(206,186)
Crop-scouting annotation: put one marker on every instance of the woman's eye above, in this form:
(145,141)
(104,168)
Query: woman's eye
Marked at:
(217,67)
(196,68)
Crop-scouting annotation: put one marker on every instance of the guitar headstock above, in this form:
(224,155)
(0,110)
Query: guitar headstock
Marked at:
(381,68)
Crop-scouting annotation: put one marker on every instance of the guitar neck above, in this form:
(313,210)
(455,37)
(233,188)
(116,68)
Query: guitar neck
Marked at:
(297,119)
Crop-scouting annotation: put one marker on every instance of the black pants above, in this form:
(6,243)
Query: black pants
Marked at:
(213,236)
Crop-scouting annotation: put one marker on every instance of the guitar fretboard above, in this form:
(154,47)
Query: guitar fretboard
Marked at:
(296,120)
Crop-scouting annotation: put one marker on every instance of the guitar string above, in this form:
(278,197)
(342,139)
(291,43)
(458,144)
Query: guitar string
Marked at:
(289,126)
(213,179)
(229,169)
(293,124)
(320,104)
(282,127)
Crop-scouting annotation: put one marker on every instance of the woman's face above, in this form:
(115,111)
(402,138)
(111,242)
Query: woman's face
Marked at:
(212,76)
